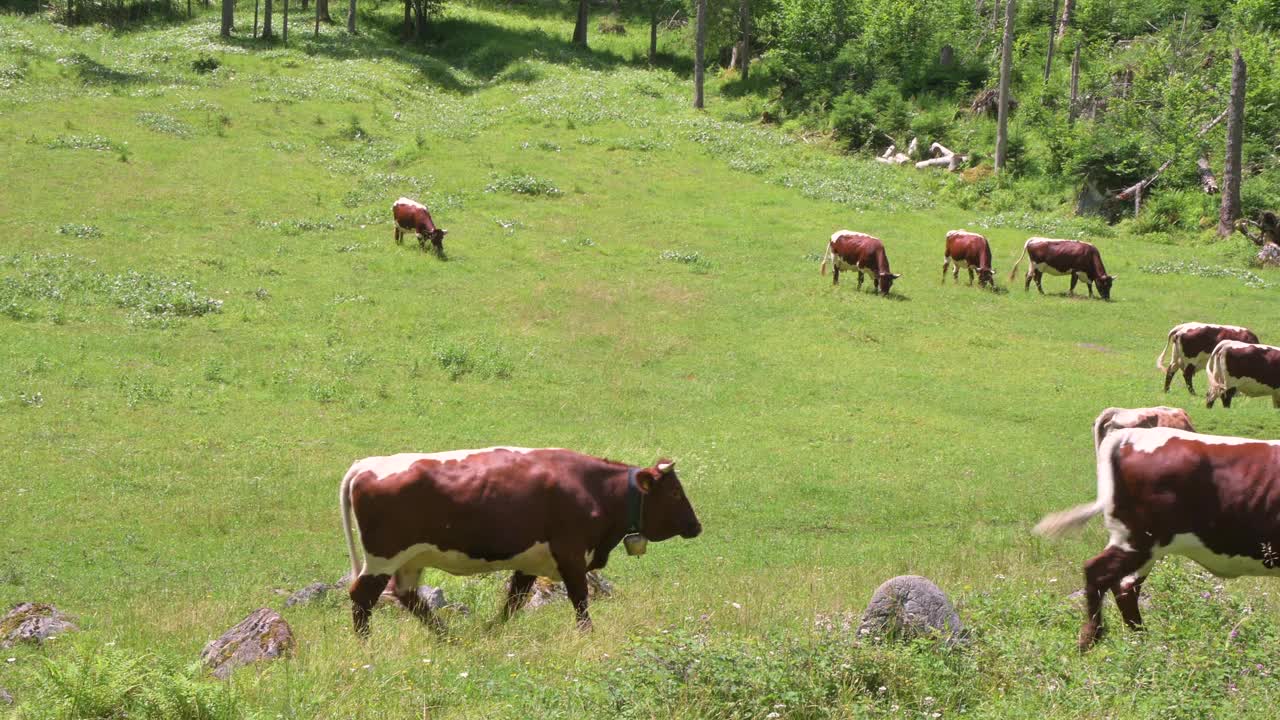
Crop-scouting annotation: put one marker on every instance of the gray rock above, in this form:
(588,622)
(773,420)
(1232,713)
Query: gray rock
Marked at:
(309,594)
(5,697)
(33,623)
(264,635)
(1269,255)
(546,591)
(910,606)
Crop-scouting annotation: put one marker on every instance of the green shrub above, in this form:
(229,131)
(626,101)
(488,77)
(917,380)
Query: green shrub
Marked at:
(853,119)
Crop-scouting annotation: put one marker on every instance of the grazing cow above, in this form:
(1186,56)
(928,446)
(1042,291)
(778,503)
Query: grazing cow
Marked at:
(549,512)
(1064,257)
(1248,368)
(1163,491)
(1189,346)
(413,216)
(1114,418)
(971,249)
(850,250)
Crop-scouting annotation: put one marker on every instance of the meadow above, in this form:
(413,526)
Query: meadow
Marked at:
(204,320)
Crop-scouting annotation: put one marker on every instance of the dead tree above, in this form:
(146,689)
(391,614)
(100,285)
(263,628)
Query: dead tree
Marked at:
(1135,191)
(1230,209)
(1067,8)
(1006,66)
(580,25)
(1073,107)
(699,55)
(744,58)
(1268,225)
(1053,21)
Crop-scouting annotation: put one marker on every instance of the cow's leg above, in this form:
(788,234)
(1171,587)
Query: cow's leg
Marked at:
(1275,400)
(1074,280)
(1089,284)
(1039,278)
(573,568)
(422,241)
(860,279)
(399,235)
(835,275)
(364,592)
(438,247)
(517,594)
(945,265)
(406,591)
(1168,376)
(1127,592)
(970,276)
(1188,372)
(1227,397)
(1031,273)
(1101,574)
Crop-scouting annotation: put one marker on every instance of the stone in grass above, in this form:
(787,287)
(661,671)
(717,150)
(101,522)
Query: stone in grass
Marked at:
(264,635)
(33,623)
(311,593)
(910,606)
(545,591)
(5,697)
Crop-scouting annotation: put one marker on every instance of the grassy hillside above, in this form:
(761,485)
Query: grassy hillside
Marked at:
(204,319)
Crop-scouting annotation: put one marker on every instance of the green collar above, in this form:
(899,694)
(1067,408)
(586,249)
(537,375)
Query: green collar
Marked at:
(635,502)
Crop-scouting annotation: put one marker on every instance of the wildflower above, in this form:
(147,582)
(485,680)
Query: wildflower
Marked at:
(463,674)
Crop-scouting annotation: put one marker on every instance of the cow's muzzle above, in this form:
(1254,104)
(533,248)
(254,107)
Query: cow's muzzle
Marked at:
(693,531)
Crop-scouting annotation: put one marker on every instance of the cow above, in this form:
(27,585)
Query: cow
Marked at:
(1247,368)
(1164,491)
(1114,418)
(971,249)
(536,512)
(850,250)
(1064,257)
(1189,346)
(413,216)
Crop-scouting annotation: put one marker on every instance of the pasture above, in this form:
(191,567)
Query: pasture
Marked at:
(204,320)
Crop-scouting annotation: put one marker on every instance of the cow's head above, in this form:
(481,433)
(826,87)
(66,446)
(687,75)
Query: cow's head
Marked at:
(667,511)
(885,281)
(986,276)
(437,235)
(1104,286)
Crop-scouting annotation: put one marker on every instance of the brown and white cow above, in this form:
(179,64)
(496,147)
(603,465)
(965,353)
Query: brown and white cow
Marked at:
(413,216)
(1114,418)
(537,512)
(1064,257)
(849,250)
(1189,346)
(1163,492)
(971,249)
(1247,368)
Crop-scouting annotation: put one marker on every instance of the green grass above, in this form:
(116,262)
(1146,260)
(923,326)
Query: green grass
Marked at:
(204,319)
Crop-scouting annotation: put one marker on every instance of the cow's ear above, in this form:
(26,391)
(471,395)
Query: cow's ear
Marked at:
(896,275)
(645,478)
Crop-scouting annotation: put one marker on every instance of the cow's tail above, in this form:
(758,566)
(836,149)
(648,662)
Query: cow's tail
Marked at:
(344,504)
(829,257)
(1060,523)
(1172,348)
(1103,418)
(1216,373)
(1014,270)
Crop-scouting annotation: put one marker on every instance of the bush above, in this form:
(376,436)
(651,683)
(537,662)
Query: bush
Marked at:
(853,119)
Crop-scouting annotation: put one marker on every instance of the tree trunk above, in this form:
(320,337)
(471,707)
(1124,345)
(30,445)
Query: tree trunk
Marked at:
(1230,209)
(1068,6)
(1073,107)
(266,20)
(228,16)
(285,32)
(317,19)
(744,57)
(408,19)
(304,5)
(1006,67)
(1048,60)
(351,18)
(653,32)
(699,55)
(580,26)
(322,11)
(420,26)
(255,19)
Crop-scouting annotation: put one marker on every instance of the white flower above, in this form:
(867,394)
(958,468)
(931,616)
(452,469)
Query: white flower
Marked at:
(773,715)
(736,606)
(463,674)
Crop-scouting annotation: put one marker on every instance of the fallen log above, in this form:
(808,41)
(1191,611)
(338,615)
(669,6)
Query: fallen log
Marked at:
(951,162)
(913,149)
(940,150)
(897,159)
(1135,190)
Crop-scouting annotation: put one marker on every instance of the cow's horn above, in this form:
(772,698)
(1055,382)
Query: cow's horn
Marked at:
(666,467)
